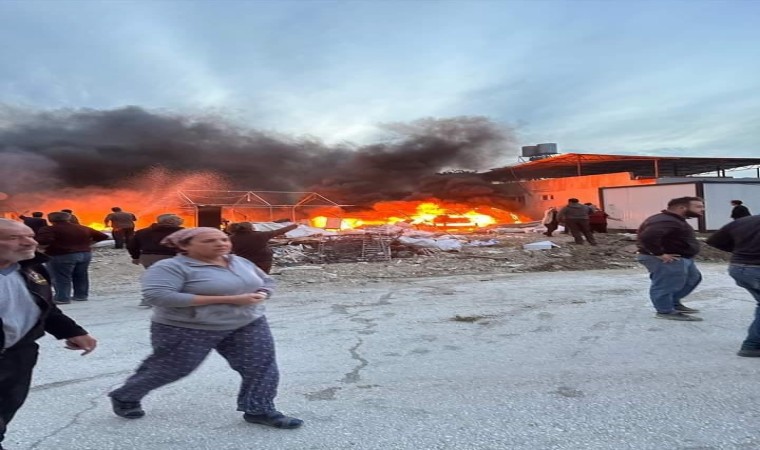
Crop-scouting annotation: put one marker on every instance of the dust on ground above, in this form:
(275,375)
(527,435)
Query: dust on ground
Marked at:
(614,251)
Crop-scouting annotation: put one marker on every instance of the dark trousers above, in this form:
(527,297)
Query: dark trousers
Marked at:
(551,227)
(249,350)
(15,378)
(122,236)
(579,228)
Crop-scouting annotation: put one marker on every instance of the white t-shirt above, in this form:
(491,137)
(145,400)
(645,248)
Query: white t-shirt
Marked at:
(18,310)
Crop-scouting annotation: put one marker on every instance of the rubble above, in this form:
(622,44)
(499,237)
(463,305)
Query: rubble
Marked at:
(299,263)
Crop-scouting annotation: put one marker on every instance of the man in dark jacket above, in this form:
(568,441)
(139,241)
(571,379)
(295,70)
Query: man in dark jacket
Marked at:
(667,245)
(739,210)
(742,238)
(35,222)
(575,216)
(145,247)
(254,245)
(69,247)
(27,311)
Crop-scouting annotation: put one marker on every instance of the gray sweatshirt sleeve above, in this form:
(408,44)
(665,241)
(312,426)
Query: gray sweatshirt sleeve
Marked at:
(269,282)
(161,285)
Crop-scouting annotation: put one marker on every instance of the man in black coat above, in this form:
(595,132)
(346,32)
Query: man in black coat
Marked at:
(742,238)
(739,210)
(27,312)
(667,246)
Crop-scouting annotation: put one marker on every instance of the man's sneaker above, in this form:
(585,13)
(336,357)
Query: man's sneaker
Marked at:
(79,299)
(62,302)
(127,410)
(685,309)
(678,316)
(749,353)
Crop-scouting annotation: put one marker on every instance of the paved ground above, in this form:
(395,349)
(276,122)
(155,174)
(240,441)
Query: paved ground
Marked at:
(554,361)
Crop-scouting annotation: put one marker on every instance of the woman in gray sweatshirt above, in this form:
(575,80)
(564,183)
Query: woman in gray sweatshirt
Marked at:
(207,299)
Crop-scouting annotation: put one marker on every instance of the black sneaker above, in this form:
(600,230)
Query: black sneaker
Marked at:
(678,316)
(685,309)
(127,410)
(749,353)
(273,419)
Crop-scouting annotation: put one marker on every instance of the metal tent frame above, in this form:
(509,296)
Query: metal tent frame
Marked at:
(272,201)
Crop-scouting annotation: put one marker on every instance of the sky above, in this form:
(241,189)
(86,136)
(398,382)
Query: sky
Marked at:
(645,77)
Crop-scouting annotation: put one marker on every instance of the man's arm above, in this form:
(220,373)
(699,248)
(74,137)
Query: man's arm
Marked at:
(283,230)
(133,247)
(722,239)
(97,236)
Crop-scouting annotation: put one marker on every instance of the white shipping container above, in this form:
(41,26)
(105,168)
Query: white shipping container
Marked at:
(633,204)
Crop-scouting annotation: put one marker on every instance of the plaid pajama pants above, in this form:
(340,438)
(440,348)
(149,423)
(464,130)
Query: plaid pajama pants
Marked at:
(177,351)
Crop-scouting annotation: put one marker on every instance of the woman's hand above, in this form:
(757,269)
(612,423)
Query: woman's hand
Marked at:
(248,299)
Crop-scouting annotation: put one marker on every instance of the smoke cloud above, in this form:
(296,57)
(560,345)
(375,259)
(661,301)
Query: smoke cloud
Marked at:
(40,151)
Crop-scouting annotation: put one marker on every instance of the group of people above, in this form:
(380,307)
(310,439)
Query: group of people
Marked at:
(580,220)
(667,245)
(204,298)
(208,290)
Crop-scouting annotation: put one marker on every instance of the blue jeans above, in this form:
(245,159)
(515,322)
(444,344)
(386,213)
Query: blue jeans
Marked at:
(70,270)
(670,281)
(748,277)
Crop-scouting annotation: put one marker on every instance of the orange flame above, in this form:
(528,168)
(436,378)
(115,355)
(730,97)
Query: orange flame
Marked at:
(428,214)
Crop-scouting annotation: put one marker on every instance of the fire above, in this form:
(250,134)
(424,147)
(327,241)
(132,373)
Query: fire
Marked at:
(428,214)
(151,194)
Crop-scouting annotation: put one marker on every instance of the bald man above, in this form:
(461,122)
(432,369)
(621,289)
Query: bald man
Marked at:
(27,311)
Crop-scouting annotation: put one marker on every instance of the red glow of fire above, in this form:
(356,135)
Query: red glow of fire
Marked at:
(149,195)
(422,214)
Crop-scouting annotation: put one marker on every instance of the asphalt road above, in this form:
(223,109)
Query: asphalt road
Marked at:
(563,360)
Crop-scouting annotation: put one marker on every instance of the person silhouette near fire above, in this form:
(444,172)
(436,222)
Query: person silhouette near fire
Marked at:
(575,216)
(122,226)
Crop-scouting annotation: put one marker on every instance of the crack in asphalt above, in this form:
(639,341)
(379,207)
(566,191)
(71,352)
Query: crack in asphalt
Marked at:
(74,420)
(354,375)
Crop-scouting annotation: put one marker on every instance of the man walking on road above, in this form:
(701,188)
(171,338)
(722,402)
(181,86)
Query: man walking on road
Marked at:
(667,245)
(27,311)
(742,238)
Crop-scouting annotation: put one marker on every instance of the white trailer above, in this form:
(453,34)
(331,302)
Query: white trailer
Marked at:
(633,204)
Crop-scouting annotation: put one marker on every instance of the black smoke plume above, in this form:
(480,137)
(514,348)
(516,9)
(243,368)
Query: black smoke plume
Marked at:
(40,151)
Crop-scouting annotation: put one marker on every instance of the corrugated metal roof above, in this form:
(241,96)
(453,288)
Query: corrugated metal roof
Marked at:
(575,164)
